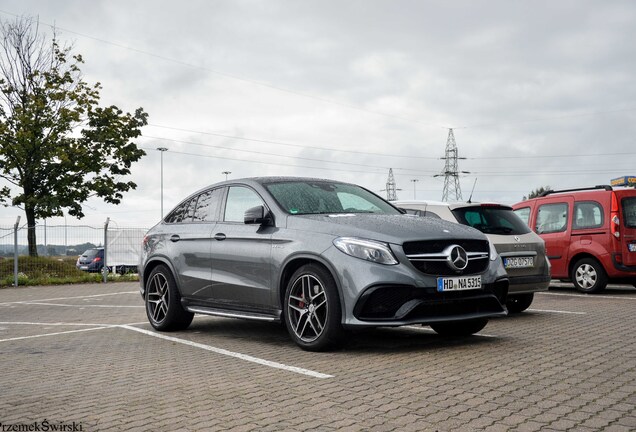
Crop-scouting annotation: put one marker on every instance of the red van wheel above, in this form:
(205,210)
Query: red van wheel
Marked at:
(589,276)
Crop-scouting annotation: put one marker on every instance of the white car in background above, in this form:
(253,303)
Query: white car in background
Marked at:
(521,250)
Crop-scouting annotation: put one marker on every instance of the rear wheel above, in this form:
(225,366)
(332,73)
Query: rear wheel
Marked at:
(312,309)
(519,302)
(589,276)
(163,302)
(460,328)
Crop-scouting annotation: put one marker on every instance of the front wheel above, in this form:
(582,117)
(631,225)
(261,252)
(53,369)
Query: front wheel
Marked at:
(589,276)
(163,302)
(519,302)
(312,309)
(460,328)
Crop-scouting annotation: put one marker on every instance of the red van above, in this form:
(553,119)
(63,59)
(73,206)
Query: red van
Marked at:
(589,234)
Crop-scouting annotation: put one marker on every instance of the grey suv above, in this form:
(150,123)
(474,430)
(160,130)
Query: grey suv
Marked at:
(521,250)
(320,256)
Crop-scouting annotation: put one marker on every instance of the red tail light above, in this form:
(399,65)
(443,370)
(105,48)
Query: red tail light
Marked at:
(615,222)
(97,259)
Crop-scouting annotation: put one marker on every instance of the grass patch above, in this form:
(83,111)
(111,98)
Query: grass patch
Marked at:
(51,271)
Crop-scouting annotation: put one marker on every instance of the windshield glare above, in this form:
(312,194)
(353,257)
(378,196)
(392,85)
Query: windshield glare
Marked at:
(320,197)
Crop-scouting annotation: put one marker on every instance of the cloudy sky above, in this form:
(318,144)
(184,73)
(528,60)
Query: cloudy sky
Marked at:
(537,92)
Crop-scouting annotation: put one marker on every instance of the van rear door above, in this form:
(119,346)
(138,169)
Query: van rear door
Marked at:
(627,199)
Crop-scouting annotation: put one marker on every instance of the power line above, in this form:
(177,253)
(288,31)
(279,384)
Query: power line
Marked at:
(332,149)
(275,154)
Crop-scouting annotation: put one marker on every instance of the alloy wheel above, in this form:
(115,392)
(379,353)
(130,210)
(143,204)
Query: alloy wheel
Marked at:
(158,297)
(307,308)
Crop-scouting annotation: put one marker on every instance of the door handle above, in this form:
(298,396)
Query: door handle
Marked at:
(219,236)
(174,238)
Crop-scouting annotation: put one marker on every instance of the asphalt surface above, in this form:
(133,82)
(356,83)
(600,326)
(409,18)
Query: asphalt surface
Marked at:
(83,357)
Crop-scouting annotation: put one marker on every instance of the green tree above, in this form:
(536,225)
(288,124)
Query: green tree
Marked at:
(58,147)
(537,192)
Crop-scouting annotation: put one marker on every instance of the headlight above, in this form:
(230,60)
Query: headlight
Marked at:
(368,250)
(493,251)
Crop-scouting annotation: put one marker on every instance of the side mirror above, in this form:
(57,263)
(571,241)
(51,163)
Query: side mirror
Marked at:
(257,215)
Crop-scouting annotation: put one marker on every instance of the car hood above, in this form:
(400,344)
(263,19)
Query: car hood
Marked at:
(395,229)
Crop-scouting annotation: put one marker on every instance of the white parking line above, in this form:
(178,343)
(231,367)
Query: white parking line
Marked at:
(81,306)
(69,298)
(588,296)
(161,336)
(557,311)
(52,334)
(231,353)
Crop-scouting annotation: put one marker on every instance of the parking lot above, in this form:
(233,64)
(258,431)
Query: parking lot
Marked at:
(85,357)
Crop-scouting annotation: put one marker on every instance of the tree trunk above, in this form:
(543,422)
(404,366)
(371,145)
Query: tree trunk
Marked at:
(33,246)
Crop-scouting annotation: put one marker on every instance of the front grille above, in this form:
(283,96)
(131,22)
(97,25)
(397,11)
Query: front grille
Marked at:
(478,256)
(434,246)
(440,268)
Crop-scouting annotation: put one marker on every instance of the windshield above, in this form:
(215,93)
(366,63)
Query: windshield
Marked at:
(492,220)
(324,197)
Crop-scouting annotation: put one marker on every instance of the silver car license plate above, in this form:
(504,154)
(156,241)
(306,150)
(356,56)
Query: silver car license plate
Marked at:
(518,262)
(458,283)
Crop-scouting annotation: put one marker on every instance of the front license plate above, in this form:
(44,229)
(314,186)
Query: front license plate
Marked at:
(458,283)
(518,262)
(632,247)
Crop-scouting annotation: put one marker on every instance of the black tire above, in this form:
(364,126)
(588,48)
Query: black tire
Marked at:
(314,325)
(588,276)
(163,302)
(460,328)
(517,303)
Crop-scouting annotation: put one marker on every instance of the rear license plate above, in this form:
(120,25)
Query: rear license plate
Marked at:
(632,247)
(458,283)
(518,262)
(83,267)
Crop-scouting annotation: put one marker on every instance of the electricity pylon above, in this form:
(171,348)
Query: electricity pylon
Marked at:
(391,191)
(452,189)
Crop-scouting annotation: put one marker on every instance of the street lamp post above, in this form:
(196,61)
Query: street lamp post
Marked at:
(414,183)
(162,149)
(226,173)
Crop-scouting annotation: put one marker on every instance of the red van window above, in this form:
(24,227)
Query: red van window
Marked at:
(629,212)
(587,214)
(552,218)
(524,214)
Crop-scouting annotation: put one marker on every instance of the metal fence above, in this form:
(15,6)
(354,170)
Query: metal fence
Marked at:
(111,249)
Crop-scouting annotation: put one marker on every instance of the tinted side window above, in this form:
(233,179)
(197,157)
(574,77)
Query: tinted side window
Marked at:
(629,212)
(524,214)
(177,214)
(208,206)
(587,214)
(239,199)
(552,218)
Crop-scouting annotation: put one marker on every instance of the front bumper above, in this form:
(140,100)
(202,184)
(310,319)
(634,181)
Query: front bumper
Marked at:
(387,305)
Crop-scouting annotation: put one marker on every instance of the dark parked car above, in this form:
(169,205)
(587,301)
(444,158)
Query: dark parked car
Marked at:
(320,256)
(91,261)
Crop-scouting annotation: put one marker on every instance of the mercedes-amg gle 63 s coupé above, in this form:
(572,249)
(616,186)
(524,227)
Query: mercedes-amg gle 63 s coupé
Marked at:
(321,256)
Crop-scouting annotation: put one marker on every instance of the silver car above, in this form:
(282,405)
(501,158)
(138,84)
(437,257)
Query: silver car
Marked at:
(320,256)
(521,250)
